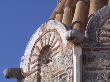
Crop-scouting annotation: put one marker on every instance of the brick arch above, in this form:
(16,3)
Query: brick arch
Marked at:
(49,38)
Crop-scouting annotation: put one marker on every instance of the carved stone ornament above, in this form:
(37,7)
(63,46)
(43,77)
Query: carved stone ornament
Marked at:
(96,53)
(98,31)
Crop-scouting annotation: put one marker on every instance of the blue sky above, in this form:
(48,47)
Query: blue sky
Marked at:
(18,20)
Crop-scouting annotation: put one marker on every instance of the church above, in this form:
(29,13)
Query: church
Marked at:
(72,46)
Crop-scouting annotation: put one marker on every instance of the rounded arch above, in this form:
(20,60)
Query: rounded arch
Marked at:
(51,35)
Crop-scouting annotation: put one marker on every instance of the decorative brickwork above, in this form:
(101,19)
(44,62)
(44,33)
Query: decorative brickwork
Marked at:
(68,48)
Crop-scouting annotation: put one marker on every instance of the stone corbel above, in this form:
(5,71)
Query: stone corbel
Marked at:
(79,21)
(11,73)
(74,35)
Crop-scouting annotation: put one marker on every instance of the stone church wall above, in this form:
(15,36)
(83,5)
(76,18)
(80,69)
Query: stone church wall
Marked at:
(58,70)
(96,66)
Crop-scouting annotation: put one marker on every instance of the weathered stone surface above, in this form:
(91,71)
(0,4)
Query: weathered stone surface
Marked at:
(45,58)
(61,64)
(96,21)
(96,57)
(51,27)
(52,54)
(96,66)
(74,35)
(13,73)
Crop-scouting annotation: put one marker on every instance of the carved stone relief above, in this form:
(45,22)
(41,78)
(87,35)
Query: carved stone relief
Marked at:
(103,33)
(98,27)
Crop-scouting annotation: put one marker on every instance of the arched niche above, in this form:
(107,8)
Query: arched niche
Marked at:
(44,58)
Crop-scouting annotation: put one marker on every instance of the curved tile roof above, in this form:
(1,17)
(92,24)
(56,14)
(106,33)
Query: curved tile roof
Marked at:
(75,13)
